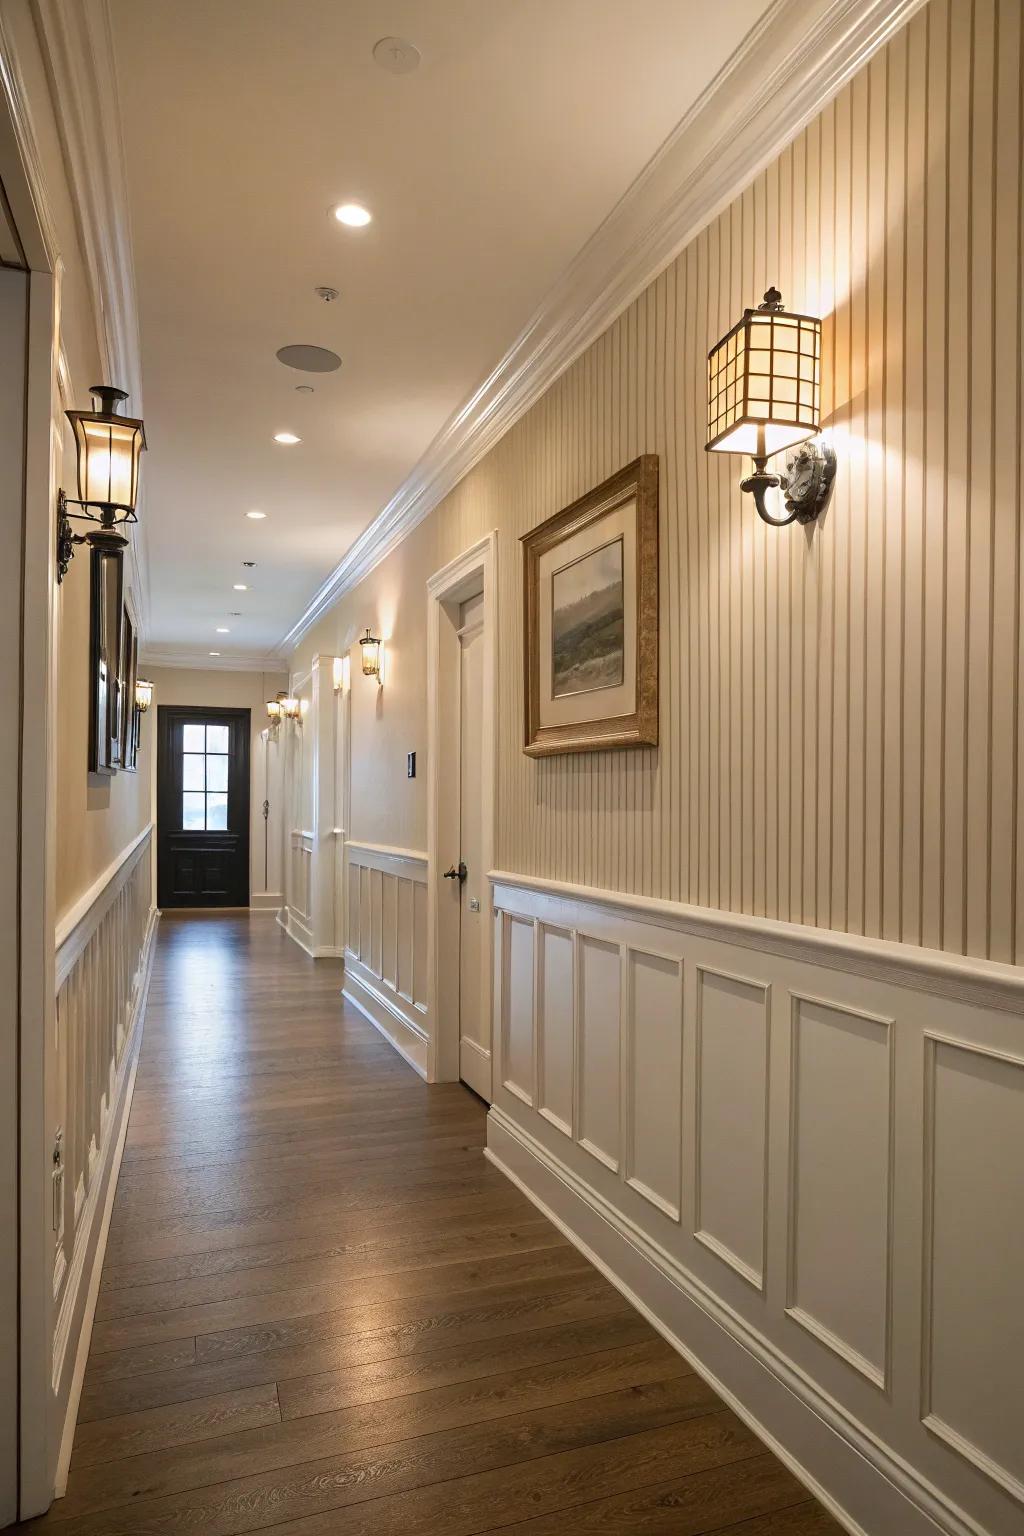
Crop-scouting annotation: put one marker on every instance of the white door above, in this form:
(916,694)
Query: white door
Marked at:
(474,1017)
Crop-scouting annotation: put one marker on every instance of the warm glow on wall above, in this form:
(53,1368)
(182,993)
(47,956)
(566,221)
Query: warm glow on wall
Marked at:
(342,674)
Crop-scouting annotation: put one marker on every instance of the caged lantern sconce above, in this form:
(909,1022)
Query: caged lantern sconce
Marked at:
(143,695)
(369,646)
(764,397)
(108,447)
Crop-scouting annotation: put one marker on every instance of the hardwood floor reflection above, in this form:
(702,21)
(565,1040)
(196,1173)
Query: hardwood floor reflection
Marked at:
(322,1310)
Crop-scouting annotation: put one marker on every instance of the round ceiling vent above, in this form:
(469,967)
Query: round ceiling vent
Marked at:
(396,55)
(309,359)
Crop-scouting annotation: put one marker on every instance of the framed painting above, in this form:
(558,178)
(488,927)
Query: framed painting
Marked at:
(591,619)
(105,660)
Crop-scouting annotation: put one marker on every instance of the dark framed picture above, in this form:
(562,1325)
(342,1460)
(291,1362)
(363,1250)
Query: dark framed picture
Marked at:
(106,606)
(591,619)
(130,717)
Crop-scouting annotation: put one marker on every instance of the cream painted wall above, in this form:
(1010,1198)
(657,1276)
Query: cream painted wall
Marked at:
(97,818)
(231,690)
(841,732)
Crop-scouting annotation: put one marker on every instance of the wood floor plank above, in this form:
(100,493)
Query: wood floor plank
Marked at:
(322,1312)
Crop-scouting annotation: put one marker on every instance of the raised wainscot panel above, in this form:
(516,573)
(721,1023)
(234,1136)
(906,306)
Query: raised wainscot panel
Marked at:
(654,1057)
(840,1181)
(555,1031)
(973,1380)
(405,941)
(731,1162)
(598,1037)
(517,1021)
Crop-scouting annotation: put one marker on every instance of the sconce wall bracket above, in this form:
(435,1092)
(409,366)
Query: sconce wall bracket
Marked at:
(806,484)
(103,535)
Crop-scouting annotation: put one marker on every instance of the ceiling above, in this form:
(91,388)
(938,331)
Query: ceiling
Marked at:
(245,123)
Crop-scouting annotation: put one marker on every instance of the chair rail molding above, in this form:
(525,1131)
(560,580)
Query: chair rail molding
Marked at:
(798,1154)
(789,66)
(79,48)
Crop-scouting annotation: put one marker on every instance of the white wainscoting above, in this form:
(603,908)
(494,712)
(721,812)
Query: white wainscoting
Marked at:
(801,1156)
(103,953)
(297,915)
(386,947)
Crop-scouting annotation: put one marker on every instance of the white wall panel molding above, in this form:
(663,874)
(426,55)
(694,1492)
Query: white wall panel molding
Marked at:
(385,951)
(731,1119)
(822,1444)
(972,1394)
(842,1131)
(104,955)
(79,923)
(820,1162)
(797,58)
(963,979)
(79,47)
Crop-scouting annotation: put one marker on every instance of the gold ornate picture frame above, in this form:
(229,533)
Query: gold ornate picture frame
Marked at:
(590,591)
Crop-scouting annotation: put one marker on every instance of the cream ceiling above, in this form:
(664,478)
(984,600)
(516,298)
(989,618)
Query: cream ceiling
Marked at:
(486,170)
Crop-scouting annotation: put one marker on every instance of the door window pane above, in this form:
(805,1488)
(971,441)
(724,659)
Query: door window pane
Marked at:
(193,817)
(216,813)
(217,772)
(204,778)
(193,773)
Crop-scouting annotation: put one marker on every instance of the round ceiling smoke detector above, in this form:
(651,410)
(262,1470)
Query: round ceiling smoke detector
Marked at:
(309,359)
(327,294)
(396,55)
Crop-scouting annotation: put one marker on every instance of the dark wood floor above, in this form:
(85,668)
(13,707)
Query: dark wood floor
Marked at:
(323,1312)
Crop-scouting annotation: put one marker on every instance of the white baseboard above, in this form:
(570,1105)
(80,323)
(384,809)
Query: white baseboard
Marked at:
(296,930)
(870,1491)
(266,901)
(407,1036)
(87,1264)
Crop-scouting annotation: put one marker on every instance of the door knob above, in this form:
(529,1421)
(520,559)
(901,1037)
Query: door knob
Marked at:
(456,873)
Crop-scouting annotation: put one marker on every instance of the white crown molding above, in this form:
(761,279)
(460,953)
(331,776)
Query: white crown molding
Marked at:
(77,41)
(178,656)
(789,66)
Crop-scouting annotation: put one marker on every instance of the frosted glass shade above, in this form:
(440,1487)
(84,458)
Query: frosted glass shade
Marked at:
(764,383)
(109,448)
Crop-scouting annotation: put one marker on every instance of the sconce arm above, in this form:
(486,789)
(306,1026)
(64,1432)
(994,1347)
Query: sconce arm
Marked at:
(759,484)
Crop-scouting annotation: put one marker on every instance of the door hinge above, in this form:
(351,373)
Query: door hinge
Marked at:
(57,1177)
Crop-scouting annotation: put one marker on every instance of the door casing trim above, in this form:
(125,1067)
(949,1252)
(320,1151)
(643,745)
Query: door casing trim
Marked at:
(461,578)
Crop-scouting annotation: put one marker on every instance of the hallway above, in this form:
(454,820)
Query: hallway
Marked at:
(322,1311)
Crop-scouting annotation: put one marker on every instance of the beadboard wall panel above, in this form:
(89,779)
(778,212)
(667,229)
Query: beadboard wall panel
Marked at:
(841,733)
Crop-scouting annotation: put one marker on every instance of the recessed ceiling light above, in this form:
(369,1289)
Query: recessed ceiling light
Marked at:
(222,631)
(256,516)
(240,586)
(286,437)
(215,653)
(353,214)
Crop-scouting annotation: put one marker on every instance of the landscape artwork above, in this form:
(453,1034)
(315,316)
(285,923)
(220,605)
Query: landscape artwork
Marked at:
(587,623)
(590,619)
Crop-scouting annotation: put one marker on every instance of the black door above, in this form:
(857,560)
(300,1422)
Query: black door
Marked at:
(202,814)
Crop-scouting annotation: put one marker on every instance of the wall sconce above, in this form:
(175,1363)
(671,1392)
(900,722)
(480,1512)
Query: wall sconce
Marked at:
(369,646)
(143,695)
(275,714)
(291,708)
(108,447)
(764,397)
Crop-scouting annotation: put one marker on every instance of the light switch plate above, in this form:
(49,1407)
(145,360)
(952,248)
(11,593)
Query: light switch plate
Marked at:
(410,765)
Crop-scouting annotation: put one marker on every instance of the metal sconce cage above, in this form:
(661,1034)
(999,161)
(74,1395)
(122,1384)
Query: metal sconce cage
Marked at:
(764,397)
(369,646)
(143,695)
(109,448)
